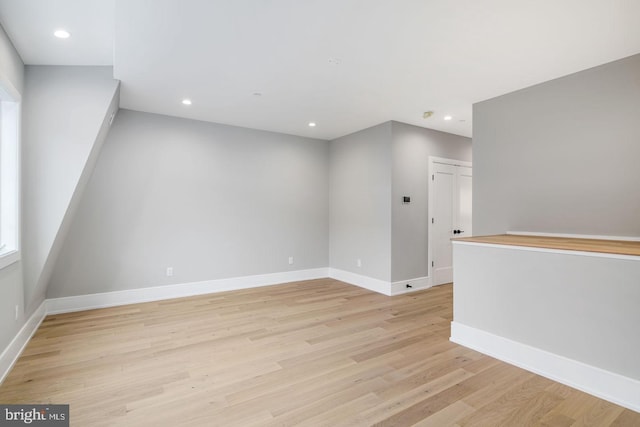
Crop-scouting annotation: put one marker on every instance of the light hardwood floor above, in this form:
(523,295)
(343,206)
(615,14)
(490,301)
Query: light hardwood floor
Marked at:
(316,353)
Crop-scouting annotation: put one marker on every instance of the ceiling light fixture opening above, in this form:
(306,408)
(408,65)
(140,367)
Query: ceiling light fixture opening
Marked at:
(186,101)
(427,114)
(312,124)
(448,117)
(62,34)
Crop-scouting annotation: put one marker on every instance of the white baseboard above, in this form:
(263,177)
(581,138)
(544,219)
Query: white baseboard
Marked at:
(366,282)
(418,284)
(604,384)
(156,293)
(10,354)
(575,236)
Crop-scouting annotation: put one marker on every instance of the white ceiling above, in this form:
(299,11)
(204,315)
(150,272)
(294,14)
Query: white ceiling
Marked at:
(397,58)
(31,23)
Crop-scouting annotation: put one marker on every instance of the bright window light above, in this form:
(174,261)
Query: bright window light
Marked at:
(9,174)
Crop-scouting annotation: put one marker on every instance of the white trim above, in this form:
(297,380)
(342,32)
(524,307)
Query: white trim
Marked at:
(430,208)
(598,382)
(8,89)
(366,282)
(156,293)
(452,162)
(15,348)
(575,236)
(418,284)
(9,258)
(548,250)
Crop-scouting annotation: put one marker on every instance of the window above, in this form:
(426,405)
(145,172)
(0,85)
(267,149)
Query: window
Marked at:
(9,174)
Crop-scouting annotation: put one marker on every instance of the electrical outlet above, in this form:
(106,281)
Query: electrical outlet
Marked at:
(359,262)
(169,271)
(290,260)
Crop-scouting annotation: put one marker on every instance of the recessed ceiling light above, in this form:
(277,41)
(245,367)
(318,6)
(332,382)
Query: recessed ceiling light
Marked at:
(448,117)
(312,124)
(186,101)
(427,114)
(62,34)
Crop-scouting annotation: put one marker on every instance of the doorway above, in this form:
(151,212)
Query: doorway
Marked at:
(450,190)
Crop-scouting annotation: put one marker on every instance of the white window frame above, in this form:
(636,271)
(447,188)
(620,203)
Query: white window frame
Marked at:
(10,124)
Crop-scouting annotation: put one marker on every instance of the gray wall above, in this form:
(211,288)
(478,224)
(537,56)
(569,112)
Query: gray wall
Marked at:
(584,308)
(11,286)
(11,65)
(561,156)
(209,200)
(411,148)
(360,205)
(65,113)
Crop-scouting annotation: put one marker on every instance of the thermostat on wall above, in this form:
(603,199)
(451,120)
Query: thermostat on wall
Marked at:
(406,199)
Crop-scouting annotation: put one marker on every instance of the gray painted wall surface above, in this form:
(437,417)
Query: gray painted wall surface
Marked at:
(581,307)
(360,205)
(11,65)
(211,201)
(64,112)
(411,149)
(11,286)
(561,156)
(69,216)
(11,294)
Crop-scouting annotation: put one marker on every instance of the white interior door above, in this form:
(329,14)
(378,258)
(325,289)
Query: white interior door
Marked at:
(464,178)
(451,215)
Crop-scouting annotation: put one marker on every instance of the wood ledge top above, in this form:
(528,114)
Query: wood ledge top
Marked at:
(618,247)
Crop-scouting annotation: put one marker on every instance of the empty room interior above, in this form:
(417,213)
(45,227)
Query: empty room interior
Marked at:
(322,213)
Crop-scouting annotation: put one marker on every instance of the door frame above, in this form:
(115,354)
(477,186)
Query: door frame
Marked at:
(431,208)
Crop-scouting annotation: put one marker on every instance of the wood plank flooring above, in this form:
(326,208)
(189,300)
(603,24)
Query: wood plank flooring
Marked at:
(315,353)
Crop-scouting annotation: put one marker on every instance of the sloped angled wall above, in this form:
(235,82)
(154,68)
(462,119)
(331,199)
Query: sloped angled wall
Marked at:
(211,201)
(66,114)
